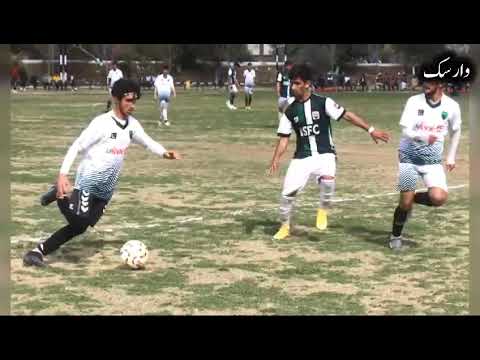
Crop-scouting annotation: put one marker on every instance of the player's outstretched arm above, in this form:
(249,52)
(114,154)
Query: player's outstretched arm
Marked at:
(142,138)
(280,149)
(361,123)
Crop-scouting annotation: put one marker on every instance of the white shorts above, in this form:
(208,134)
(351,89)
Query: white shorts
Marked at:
(249,89)
(432,176)
(232,89)
(301,170)
(164,96)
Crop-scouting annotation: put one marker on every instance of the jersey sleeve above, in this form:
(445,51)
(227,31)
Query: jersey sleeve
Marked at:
(109,76)
(408,115)
(279,77)
(142,138)
(229,72)
(285,126)
(334,110)
(455,122)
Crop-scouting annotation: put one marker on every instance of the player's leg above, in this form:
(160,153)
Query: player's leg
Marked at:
(81,210)
(326,181)
(164,101)
(109,101)
(246,96)
(436,182)
(281,106)
(250,97)
(296,178)
(407,180)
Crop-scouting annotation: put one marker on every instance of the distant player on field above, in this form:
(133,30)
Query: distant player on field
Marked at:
(426,120)
(283,88)
(103,145)
(113,76)
(249,81)
(233,85)
(164,87)
(309,117)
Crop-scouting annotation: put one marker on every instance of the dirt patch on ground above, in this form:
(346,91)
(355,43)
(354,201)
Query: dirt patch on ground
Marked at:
(202,276)
(118,302)
(36,281)
(398,289)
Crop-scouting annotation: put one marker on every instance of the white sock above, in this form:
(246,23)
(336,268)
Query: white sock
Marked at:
(164,114)
(327,190)
(286,208)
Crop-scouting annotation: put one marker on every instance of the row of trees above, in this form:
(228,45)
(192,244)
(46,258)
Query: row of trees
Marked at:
(185,55)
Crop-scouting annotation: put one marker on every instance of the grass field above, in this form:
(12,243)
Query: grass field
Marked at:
(208,220)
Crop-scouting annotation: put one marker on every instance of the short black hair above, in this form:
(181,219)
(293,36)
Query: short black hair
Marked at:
(302,71)
(165,67)
(249,64)
(122,87)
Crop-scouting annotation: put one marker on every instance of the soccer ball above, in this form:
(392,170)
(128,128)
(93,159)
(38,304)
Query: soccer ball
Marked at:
(134,253)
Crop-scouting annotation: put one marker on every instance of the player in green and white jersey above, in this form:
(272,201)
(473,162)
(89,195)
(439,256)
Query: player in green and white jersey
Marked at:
(309,116)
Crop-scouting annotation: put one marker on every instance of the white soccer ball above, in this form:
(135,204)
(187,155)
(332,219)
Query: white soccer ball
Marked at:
(134,253)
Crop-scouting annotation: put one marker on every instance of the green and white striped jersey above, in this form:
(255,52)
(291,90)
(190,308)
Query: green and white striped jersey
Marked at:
(311,122)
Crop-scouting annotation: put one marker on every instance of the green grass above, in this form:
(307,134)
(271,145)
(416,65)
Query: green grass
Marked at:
(208,219)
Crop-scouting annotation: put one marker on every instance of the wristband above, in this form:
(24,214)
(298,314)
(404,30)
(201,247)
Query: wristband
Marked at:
(371,129)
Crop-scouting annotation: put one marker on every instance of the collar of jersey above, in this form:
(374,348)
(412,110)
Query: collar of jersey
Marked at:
(119,123)
(303,102)
(433,106)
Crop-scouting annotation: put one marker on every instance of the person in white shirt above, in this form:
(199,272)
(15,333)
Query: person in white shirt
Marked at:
(426,120)
(113,76)
(103,144)
(249,80)
(164,88)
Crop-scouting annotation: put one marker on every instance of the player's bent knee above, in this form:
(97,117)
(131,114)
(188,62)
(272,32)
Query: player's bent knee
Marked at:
(439,198)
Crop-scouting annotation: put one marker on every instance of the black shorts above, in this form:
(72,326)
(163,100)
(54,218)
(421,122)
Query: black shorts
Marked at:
(82,208)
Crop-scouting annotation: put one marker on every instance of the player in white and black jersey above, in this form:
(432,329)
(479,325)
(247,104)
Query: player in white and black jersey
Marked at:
(103,144)
(233,85)
(426,120)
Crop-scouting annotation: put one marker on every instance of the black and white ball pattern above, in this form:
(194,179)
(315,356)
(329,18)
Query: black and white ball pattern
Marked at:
(134,253)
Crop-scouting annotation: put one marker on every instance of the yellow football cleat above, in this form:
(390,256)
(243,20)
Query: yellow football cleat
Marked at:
(283,233)
(321,219)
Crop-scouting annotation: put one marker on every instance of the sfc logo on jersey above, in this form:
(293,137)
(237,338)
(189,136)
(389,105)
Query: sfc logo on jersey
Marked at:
(315,115)
(296,119)
(420,112)
(444,115)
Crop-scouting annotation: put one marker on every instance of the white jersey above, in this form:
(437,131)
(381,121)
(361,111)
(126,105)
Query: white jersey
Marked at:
(163,84)
(249,76)
(421,118)
(104,145)
(114,75)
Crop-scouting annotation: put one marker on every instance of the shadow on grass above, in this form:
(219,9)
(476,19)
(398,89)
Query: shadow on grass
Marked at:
(374,236)
(269,227)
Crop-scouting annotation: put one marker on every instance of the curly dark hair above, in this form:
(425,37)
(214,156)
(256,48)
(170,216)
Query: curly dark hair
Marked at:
(123,87)
(302,71)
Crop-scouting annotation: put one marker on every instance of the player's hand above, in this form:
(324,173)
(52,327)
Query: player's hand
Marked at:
(172,155)
(431,139)
(450,167)
(273,167)
(63,186)
(380,135)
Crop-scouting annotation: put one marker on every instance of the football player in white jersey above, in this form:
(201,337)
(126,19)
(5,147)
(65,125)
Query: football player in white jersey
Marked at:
(103,144)
(113,76)
(164,87)
(426,120)
(249,81)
